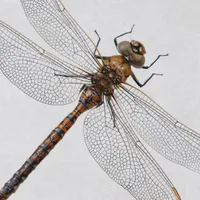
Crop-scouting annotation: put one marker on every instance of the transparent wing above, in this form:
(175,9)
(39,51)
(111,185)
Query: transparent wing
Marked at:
(160,130)
(58,28)
(35,71)
(118,151)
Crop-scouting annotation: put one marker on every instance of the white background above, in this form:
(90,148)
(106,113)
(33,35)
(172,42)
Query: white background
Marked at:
(69,172)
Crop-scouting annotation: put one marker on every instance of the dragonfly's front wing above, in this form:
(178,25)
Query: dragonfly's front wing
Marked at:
(110,141)
(159,129)
(58,28)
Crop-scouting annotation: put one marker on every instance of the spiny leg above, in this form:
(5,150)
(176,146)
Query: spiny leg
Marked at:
(147,67)
(112,112)
(129,32)
(143,84)
(96,47)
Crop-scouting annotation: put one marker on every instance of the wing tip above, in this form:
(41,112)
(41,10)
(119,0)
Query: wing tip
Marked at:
(176,193)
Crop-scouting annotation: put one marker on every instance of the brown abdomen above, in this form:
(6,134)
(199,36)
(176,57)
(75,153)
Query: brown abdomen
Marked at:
(89,99)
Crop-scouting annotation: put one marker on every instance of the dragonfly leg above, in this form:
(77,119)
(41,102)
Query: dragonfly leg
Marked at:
(112,112)
(115,40)
(96,47)
(82,88)
(147,67)
(143,84)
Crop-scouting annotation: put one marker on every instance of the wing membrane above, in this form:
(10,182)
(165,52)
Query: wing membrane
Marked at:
(58,28)
(34,70)
(159,129)
(122,156)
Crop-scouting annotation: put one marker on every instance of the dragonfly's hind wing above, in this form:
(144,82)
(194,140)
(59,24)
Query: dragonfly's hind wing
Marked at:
(36,72)
(118,151)
(58,28)
(159,129)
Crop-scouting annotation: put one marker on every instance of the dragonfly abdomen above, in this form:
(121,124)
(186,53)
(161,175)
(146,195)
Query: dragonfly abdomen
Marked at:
(88,99)
(40,153)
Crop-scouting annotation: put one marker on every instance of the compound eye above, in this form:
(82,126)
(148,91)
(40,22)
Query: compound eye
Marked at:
(142,49)
(135,50)
(138,47)
(135,44)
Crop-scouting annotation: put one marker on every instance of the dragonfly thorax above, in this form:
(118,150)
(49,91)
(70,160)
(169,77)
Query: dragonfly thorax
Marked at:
(120,65)
(105,81)
(115,71)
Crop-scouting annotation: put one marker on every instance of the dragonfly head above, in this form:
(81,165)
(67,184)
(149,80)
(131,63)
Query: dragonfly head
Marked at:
(134,51)
(137,47)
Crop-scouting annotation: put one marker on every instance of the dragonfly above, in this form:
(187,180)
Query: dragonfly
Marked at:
(118,112)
